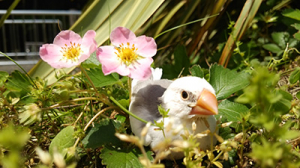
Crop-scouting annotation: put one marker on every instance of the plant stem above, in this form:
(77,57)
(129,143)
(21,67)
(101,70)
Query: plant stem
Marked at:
(74,100)
(102,97)
(176,27)
(126,111)
(20,68)
(90,122)
(89,79)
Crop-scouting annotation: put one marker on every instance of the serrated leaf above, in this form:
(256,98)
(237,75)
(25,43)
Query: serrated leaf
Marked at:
(231,110)
(100,80)
(63,140)
(197,71)
(101,134)
(280,38)
(295,76)
(3,77)
(226,82)
(292,13)
(125,158)
(91,62)
(18,82)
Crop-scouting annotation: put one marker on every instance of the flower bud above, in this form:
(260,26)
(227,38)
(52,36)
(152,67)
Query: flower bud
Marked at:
(44,156)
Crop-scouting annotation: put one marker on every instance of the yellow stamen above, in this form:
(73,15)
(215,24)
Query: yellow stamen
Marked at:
(127,53)
(71,52)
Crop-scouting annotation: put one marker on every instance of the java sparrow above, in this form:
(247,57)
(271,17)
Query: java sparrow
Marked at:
(188,99)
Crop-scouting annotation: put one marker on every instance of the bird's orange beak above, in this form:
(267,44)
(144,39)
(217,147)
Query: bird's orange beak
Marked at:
(207,104)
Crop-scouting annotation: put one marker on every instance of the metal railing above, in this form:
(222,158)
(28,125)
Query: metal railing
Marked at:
(26,30)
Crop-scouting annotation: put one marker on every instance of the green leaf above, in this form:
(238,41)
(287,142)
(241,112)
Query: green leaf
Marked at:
(284,104)
(297,35)
(63,140)
(273,48)
(226,82)
(18,82)
(298,95)
(197,71)
(100,80)
(231,110)
(226,133)
(280,38)
(101,134)
(181,65)
(125,158)
(292,13)
(91,62)
(295,76)
(3,77)
(181,59)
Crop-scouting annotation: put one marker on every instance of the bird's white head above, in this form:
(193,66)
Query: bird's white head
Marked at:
(190,96)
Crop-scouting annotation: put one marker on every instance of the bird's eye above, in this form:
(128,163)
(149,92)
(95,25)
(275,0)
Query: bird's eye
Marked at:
(184,95)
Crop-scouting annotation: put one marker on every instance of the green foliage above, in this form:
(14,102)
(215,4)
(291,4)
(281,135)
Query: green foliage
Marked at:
(295,76)
(180,66)
(103,133)
(127,157)
(226,82)
(62,141)
(100,80)
(196,70)
(232,111)
(270,149)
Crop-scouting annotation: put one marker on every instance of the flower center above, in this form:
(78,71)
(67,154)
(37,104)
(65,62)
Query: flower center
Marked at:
(71,52)
(127,53)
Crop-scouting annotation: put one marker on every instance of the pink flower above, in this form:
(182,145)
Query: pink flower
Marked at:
(69,49)
(129,56)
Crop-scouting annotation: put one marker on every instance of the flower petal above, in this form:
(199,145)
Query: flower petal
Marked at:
(88,43)
(109,60)
(121,35)
(142,69)
(146,46)
(50,53)
(65,37)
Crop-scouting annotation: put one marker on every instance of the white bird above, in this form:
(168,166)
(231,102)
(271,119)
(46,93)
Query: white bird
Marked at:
(188,99)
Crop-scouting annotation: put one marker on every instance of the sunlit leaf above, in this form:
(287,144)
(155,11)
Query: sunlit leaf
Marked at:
(126,158)
(231,110)
(100,80)
(197,71)
(63,140)
(226,82)
(91,62)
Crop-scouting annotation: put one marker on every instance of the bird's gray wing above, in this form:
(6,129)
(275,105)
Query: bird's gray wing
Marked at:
(145,99)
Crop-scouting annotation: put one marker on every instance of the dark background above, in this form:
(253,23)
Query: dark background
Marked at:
(45,4)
